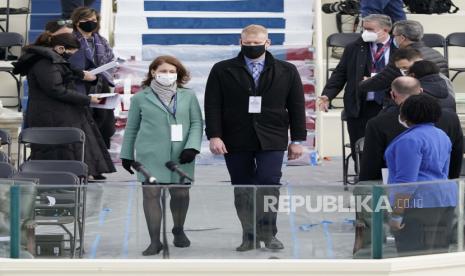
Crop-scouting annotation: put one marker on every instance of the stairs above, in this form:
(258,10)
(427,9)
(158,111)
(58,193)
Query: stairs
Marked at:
(201,33)
(43,11)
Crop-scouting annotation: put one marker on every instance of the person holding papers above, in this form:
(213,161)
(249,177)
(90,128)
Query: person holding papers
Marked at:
(164,124)
(54,102)
(95,51)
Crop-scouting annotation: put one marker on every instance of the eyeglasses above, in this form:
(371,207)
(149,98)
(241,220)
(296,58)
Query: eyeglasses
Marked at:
(65,22)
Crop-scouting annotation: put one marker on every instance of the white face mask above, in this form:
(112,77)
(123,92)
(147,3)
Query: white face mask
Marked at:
(369,36)
(402,122)
(166,79)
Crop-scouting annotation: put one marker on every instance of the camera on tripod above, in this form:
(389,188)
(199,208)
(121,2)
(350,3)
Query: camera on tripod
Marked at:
(349,7)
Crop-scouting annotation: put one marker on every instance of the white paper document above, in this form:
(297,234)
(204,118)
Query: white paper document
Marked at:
(105,67)
(108,100)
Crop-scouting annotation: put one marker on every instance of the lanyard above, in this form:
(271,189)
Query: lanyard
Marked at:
(377,56)
(175,99)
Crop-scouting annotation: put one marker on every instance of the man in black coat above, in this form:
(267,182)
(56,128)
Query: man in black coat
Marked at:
(251,101)
(382,129)
(363,58)
(408,35)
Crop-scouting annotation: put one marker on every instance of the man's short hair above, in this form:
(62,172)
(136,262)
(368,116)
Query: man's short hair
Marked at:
(254,29)
(423,68)
(420,109)
(411,29)
(406,53)
(406,86)
(384,21)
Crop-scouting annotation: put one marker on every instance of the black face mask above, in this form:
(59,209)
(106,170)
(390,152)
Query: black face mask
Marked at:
(66,55)
(88,26)
(253,52)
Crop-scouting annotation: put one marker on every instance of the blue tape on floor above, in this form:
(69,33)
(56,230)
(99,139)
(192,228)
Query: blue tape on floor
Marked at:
(295,241)
(127,225)
(212,23)
(101,221)
(225,6)
(329,240)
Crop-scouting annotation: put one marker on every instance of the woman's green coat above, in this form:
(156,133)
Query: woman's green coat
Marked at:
(147,137)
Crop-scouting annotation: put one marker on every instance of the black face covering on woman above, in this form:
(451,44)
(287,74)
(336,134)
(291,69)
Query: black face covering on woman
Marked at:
(66,55)
(253,52)
(88,26)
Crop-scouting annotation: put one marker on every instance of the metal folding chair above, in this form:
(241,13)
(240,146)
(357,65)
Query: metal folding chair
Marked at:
(8,40)
(58,136)
(6,140)
(65,203)
(345,158)
(50,136)
(358,155)
(6,170)
(4,157)
(455,40)
(435,41)
(77,168)
(338,40)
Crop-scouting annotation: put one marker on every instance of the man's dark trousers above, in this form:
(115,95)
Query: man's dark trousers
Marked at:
(356,126)
(256,168)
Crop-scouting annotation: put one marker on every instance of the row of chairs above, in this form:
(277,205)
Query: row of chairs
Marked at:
(7,41)
(430,40)
(63,180)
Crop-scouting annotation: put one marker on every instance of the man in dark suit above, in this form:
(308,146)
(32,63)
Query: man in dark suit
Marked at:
(382,129)
(407,36)
(363,58)
(251,101)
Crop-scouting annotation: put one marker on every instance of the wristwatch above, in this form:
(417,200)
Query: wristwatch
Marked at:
(296,142)
(396,218)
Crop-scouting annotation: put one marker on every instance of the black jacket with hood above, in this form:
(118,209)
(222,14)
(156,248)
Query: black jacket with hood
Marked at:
(53,102)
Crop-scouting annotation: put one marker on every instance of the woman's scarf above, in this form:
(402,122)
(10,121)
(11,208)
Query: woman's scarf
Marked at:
(164,93)
(103,53)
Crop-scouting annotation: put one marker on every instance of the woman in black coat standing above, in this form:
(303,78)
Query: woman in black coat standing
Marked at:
(53,101)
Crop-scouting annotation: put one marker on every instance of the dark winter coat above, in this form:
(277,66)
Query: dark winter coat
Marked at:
(53,102)
(434,85)
(354,65)
(229,86)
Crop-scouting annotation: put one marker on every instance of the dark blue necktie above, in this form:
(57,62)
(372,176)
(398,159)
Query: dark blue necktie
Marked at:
(380,63)
(379,66)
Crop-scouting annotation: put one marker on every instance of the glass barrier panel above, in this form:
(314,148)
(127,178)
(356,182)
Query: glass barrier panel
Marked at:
(415,218)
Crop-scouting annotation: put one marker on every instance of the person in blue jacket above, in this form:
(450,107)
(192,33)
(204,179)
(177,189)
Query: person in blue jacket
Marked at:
(422,213)
(392,8)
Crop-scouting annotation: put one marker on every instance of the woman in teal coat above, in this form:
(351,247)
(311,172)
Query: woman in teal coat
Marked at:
(164,124)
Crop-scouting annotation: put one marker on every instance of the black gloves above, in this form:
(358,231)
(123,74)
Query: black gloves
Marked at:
(127,165)
(187,156)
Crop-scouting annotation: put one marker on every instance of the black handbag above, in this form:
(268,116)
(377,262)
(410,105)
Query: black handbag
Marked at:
(431,6)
